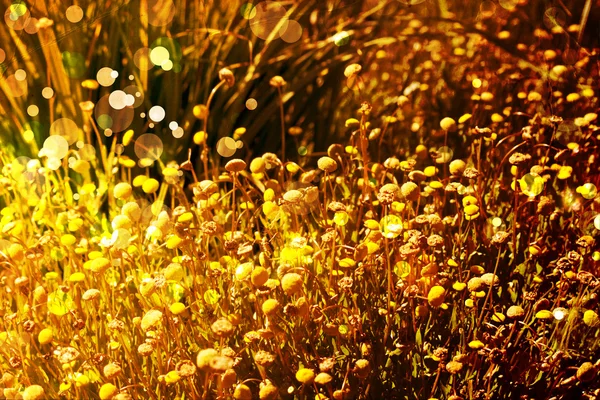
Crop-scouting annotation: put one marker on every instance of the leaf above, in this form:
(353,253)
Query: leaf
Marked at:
(418,338)
(60,303)
(384,41)
(211,296)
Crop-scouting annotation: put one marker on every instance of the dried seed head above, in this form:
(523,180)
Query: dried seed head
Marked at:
(235,165)
(222,328)
(226,75)
(362,368)
(454,367)
(327,164)
(292,196)
(475,284)
(151,319)
(490,279)
(112,370)
(586,372)
(352,70)
(277,81)
(204,358)
(268,392)
(264,358)
(515,312)
(323,378)
(410,191)
(417,176)
(519,158)
(457,167)
(291,283)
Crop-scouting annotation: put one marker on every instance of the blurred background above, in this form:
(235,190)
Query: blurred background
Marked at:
(90,71)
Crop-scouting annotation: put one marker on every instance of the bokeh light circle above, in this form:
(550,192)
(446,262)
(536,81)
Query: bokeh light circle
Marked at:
(158,12)
(554,16)
(391,226)
(588,191)
(136,93)
(118,100)
(104,76)
(33,110)
(532,184)
(47,93)
(66,128)
(444,155)
(178,132)
(111,118)
(156,113)
(251,104)
(226,147)
(148,146)
(74,14)
(267,17)
(291,31)
(55,147)
(141,59)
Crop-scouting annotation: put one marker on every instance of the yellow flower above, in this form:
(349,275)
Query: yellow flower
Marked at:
(270,306)
(45,336)
(107,391)
(150,185)
(436,296)
(122,190)
(305,376)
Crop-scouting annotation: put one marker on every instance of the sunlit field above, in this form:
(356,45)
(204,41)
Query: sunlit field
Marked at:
(303,199)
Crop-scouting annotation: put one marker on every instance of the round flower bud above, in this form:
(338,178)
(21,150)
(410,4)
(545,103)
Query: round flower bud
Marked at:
(107,391)
(242,392)
(448,124)
(590,318)
(150,186)
(122,190)
(436,296)
(410,191)
(457,167)
(586,372)
(45,336)
(270,307)
(259,276)
(33,392)
(277,81)
(305,376)
(362,368)
(327,164)
(268,392)
(291,283)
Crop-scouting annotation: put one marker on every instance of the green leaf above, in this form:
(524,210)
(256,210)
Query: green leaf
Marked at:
(418,338)
(211,296)
(60,303)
